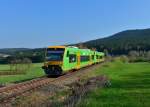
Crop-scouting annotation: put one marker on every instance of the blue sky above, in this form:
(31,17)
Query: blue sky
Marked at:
(40,23)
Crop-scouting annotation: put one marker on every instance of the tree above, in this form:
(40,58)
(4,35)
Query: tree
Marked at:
(124,58)
(27,62)
(21,65)
(133,55)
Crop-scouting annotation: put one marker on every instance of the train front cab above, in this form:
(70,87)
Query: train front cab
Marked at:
(54,57)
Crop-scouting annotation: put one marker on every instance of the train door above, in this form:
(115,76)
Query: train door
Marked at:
(78,60)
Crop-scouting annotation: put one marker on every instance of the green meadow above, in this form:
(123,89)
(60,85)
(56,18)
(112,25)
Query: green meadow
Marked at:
(130,86)
(4,67)
(34,72)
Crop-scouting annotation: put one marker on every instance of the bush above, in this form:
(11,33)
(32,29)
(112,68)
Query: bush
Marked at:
(139,56)
(109,58)
(20,65)
(124,59)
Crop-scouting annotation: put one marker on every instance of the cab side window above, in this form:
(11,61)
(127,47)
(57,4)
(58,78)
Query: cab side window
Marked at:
(72,58)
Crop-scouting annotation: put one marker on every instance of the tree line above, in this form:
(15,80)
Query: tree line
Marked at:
(123,42)
(35,55)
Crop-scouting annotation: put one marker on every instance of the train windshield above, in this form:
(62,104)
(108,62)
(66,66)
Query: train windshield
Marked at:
(55,54)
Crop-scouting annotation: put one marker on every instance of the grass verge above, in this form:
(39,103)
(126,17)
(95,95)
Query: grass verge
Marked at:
(34,72)
(130,86)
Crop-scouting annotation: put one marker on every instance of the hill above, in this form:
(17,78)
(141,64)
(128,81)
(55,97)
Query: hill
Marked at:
(123,42)
(35,55)
(117,44)
(12,50)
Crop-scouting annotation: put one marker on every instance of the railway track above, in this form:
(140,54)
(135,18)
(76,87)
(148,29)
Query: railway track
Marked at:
(17,89)
(13,91)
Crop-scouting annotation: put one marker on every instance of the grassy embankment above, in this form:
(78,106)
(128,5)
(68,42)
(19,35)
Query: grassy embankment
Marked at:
(34,72)
(130,86)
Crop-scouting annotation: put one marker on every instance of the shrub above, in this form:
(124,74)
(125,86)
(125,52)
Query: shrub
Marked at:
(124,59)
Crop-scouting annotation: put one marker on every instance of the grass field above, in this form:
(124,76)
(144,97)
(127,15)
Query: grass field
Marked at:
(34,72)
(130,86)
(4,67)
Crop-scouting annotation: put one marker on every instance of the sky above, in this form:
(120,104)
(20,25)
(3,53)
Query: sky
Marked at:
(41,23)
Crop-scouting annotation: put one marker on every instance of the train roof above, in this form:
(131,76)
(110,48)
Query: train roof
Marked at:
(56,46)
(77,49)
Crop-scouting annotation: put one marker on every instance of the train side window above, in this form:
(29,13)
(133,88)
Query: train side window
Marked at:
(84,58)
(72,58)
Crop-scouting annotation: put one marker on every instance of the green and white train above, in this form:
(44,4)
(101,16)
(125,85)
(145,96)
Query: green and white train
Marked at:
(61,59)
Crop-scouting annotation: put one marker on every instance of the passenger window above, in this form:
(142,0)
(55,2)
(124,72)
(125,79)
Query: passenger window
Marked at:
(72,58)
(84,58)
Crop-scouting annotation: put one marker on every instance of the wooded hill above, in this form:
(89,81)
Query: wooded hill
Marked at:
(123,42)
(117,44)
(35,55)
